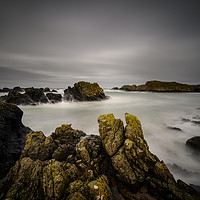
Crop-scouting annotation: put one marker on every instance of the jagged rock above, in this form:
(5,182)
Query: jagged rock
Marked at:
(84,91)
(36,95)
(66,165)
(111,133)
(137,167)
(18,98)
(54,97)
(194,143)
(12,136)
(128,87)
(31,96)
(54,90)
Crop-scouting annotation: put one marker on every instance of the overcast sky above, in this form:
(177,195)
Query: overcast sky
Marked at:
(57,43)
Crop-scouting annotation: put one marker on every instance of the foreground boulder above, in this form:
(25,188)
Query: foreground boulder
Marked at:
(161,86)
(12,136)
(84,91)
(115,165)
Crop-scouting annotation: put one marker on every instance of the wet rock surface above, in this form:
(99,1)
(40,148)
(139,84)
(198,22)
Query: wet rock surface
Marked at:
(174,128)
(12,136)
(194,143)
(32,96)
(71,165)
(54,98)
(84,91)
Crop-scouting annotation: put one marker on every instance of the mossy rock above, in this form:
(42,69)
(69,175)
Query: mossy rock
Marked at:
(133,128)
(84,91)
(88,89)
(128,87)
(99,189)
(111,133)
(76,196)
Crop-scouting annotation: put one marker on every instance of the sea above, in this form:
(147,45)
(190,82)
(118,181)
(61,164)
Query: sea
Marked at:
(168,121)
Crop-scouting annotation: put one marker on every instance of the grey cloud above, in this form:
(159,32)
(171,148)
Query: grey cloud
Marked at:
(111,42)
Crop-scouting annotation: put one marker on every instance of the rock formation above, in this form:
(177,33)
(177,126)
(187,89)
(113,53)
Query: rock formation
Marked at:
(160,86)
(128,87)
(32,96)
(54,98)
(12,136)
(84,91)
(194,143)
(117,165)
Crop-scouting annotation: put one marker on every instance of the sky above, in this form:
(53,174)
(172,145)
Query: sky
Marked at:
(56,43)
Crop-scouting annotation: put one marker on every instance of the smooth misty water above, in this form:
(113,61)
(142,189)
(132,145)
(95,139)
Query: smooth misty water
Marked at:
(156,111)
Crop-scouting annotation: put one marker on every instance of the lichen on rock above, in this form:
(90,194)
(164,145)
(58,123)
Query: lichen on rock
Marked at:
(115,165)
(84,91)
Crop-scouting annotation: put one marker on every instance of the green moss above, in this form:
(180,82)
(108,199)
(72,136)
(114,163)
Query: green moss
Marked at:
(107,119)
(99,190)
(135,124)
(88,89)
(65,129)
(7,106)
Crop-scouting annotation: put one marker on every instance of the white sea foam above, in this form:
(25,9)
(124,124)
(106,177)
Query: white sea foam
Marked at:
(156,111)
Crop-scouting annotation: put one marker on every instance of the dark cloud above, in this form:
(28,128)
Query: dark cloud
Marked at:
(112,42)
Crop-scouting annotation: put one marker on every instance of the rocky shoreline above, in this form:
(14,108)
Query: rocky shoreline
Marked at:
(82,91)
(71,165)
(160,86)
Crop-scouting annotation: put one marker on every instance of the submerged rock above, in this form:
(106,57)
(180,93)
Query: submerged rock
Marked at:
(194,143)
(174,128)
(12,136)
(115,165)
(84,91)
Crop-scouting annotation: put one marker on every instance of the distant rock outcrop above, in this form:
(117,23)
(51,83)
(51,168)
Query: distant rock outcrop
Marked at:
(54,98)
(69,165)
(32,96)
(12,136)
(115,88)
(128,87)
(84,91)
(160,86)
(5,90)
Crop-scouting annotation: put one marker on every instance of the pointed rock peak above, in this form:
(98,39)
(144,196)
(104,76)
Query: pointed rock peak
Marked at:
(111,133)
(133,127)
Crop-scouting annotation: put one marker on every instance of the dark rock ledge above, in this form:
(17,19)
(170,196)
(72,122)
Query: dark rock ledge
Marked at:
(117,165)
(12,136)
